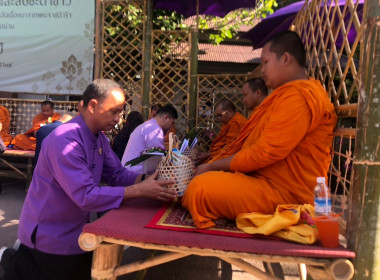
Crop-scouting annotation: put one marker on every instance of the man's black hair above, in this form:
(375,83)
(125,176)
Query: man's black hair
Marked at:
(99,90)
(290,42)
(168,110)
(257,83)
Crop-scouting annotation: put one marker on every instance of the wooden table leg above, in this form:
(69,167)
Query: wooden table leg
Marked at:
(106,258)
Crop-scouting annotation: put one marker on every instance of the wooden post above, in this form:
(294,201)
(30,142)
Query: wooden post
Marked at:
(147,56)
(106,258)
(364,219)
(98,63)
(193,86)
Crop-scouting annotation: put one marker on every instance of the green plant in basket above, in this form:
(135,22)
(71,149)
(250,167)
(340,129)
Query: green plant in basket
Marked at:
(193,133)
(150,152)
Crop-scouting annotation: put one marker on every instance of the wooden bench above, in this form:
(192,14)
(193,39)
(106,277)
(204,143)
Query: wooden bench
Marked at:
(18,163)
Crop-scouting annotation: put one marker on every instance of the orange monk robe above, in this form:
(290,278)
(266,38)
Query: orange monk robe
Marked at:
(282,149)
(5,120)
(27,141)
(227,134)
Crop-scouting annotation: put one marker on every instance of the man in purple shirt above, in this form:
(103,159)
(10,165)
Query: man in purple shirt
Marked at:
(148,135)
(75,158)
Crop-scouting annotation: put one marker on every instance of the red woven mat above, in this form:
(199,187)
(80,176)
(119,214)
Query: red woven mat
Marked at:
(175,217)
(129,223)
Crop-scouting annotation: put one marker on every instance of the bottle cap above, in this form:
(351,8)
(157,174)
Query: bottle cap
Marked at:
(321,180)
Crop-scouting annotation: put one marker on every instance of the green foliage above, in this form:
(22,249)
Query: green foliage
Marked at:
(225,28)
(229,26)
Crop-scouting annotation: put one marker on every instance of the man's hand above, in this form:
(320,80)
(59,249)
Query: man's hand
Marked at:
(151,188)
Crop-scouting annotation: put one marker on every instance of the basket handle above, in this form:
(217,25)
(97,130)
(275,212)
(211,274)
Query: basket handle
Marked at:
(171,140)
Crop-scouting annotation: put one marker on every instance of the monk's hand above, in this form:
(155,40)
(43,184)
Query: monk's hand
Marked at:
(202,169)
(152,188)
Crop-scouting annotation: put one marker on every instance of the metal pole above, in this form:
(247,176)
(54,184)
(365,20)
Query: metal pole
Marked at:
(193,87)
(147,57)
(364,220)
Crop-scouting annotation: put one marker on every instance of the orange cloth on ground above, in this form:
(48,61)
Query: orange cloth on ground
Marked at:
(290,222)
(5,119)
(227,134)
(27,141)
(284,146)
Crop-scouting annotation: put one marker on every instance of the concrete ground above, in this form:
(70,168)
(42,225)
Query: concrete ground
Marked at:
(189,268)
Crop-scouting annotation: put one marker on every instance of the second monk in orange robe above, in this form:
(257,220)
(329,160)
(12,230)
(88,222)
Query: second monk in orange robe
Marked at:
(27,141)
(282,149)
(254,92)
(232,121)
(5,121)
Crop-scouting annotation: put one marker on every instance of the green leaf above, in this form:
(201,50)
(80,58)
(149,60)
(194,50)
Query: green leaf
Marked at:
(137,160)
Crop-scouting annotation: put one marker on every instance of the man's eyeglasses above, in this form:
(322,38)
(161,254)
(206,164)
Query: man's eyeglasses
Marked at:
(221,114)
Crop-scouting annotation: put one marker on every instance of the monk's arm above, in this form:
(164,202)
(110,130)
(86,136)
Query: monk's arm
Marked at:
(219,165)
(286,127)
(233,132)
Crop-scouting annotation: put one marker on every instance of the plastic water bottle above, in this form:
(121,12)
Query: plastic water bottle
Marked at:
(322,198)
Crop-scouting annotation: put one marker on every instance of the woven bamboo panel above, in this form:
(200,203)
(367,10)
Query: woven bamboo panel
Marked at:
(122,46)
(170,73)
(331,58)
(211,90)
(22,112)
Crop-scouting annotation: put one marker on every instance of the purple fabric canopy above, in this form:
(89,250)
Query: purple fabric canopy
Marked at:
(283,18)
(206,7)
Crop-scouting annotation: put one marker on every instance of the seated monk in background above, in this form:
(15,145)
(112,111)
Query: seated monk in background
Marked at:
(5,120)
(27,141)
(283,147)
(232,122)
(254,92)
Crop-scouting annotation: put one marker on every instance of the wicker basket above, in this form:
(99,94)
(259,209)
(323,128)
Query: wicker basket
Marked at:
(179,168)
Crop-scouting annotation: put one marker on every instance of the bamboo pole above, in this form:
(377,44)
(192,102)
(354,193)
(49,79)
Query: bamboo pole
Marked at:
(364,222)
(193,87)
(139,265)
(105,259)
(98,67)
(147,56)
(249,268)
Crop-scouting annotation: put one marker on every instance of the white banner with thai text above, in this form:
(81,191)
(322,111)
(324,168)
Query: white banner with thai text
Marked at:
(46,46)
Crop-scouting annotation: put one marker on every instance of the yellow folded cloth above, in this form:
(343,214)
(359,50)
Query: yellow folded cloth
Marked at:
(290,221)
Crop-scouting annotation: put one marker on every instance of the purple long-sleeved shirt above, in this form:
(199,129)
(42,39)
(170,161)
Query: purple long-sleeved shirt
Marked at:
(66,187)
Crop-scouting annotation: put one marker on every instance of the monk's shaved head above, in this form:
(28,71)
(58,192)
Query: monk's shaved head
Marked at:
(227,105)
(290,42)
(257,84)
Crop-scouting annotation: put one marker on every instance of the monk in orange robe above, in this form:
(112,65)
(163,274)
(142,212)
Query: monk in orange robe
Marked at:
(5,120)
(27,141)
(254,92)
(284,146)
(232,121)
